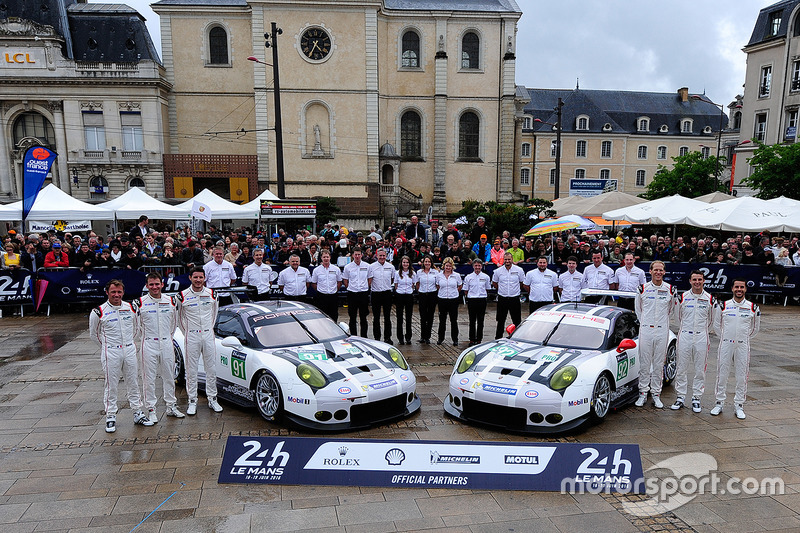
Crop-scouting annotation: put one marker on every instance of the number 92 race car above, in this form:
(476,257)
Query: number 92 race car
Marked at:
(565,365)
(291,361)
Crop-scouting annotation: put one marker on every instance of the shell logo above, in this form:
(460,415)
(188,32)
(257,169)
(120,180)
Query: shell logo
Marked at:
(40,153)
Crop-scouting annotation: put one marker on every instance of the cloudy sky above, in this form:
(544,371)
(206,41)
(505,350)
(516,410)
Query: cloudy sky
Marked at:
(644,45)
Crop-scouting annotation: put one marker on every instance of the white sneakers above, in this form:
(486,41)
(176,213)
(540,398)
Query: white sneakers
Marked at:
(641,399)
(716,410)
(173,411)
(111,425)
(696,405)
(739,412)
(677,405)
(192,409)
(657,402)
(139,418)
(151,414)
(214,406)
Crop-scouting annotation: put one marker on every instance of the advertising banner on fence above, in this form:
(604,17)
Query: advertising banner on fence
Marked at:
(433,464)
(59,225)
(72,285)
(15,287)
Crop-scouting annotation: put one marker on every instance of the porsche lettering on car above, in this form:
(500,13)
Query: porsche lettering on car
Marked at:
(292,362)
(565,365)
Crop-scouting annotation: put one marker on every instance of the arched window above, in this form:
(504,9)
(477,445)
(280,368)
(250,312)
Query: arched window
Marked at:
(218,46)
(737,117)
(137,183)
(470,50)
(33,124)
(410,49)
(582,123)
(644,124)
(98,187)
(683,150)
(580,149)
(468,137)
(411,136)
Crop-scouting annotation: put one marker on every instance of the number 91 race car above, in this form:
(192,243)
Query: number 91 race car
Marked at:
(565,365)
(291,361)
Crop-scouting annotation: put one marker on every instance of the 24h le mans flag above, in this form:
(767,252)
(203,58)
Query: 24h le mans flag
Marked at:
(36,165)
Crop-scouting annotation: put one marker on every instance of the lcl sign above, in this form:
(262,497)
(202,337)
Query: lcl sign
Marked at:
(19,58)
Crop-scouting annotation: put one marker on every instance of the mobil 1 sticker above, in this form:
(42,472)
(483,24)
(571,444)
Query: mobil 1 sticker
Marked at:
(567,467)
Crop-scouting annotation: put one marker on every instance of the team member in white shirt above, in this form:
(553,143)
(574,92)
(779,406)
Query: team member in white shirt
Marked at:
(508,280)
(696,314)
(258,274)
(449,283)
(219,273)
(475,287)
(381,280)
(628,278)
(571,281)
(541,284)
(294,280)
(326,280)
(404,299)
(597,276)
(425,283)
(356,280)
(654,303)
(736,321)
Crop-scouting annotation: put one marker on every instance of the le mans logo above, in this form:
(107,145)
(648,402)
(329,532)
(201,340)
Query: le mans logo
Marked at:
(40,153)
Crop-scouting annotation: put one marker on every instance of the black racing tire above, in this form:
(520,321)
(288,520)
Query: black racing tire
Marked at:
(178,370)
(601,398)
(671,364)
(267,396)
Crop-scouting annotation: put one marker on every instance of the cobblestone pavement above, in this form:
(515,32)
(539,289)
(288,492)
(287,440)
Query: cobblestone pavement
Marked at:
(59,471)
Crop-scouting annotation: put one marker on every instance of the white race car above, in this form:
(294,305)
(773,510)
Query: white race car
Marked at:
(564,365)
(290,360)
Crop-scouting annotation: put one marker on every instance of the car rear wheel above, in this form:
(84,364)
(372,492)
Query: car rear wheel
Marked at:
(671,364)
(178,370)
(601,398)
(268,396)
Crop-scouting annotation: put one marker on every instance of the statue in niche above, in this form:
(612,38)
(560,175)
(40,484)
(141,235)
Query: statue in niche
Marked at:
(317,151)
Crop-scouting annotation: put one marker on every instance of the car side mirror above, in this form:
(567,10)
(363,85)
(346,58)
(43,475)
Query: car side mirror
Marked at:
(345,327)
(626,344)
(232,342)
(511,329)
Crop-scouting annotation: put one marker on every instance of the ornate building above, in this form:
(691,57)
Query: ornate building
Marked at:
(84,80)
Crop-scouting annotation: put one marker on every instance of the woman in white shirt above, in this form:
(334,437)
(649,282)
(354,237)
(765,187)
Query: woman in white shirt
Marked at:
(425,283)
(449,283)
(404,298)
(476,285)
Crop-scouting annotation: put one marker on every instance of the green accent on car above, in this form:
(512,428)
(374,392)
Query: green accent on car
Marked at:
(466,362)
(311,376)
(563,377)
(398,358)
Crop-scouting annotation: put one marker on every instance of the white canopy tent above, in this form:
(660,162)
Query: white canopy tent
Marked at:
(136,202)
(714,197)
(597,205)
(785,202)
(747,214)
(666,210)
(564,205)
(255,203)
(220,207)
(54,204)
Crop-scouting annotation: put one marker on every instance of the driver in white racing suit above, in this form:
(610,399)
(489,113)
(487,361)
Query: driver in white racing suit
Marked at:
(113,325)
(158,319)
(654,304)
(736,321)
(197,313)
(695,313)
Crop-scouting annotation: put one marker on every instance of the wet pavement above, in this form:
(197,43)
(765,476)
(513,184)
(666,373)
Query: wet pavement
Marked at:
(59,470)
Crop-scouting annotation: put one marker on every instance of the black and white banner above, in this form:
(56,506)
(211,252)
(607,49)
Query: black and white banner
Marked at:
(433,464)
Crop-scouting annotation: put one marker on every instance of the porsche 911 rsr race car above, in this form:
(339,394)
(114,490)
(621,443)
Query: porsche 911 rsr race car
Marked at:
(291,361)
(564,365)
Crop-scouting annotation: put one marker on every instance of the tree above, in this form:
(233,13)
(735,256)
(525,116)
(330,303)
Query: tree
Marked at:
(691,175)
(326,210)
(776,170)
(500,217)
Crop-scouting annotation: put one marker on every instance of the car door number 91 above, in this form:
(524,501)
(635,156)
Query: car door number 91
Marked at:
(237,368)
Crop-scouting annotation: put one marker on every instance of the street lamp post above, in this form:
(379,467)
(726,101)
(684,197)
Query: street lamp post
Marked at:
(557,126)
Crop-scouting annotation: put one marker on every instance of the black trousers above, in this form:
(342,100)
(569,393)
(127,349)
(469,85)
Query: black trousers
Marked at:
(404,305)
(507,305)
(358,305)
(448,307)
(382,303)
(328,304)
(476,307)
(427,308)
(533,306)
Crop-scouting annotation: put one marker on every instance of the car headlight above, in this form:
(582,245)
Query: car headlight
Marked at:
(563,377)
(311,376)
(466,362)
(398,358)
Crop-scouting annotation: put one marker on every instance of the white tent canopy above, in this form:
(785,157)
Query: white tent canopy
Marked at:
(785,202)
(666,210)
(136,202)
(255,203)
(714,197)
(54,204)
(746,214)
(220,207)
(597,205)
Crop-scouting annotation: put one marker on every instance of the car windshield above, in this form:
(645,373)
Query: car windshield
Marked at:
(293,328)
(565,331)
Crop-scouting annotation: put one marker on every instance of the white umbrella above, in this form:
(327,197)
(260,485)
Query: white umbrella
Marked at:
(714,197)
(786,202)
(136,202)
(608,201)
(584,223)
(747,214)
(667,210)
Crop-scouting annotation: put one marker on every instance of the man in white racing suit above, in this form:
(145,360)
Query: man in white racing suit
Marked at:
(157,314)
(197,313)
(696,313)
(654,303)
(113,325)
(736,321)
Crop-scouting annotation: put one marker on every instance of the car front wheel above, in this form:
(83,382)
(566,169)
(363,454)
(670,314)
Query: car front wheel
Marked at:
(670,364)
(268,396)
(601,398)
(178,370)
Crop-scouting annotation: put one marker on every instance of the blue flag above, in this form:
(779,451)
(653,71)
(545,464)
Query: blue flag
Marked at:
(36,165)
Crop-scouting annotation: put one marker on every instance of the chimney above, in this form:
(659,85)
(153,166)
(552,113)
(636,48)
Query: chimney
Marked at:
(683,92)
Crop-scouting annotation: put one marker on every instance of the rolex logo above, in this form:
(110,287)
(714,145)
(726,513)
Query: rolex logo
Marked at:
(343,451)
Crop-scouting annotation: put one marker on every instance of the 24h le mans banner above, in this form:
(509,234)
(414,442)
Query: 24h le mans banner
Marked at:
(433,464)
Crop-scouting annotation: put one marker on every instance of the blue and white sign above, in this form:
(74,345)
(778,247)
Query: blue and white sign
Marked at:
(587,188)
(433,464)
